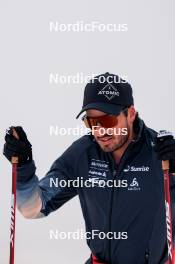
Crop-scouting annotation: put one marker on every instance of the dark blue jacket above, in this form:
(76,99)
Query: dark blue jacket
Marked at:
(136,209)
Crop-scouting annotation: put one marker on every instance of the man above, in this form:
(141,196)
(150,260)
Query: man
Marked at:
(121,162)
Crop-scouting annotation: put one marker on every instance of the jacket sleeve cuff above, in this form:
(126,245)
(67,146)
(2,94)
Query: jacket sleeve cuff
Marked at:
(26,172)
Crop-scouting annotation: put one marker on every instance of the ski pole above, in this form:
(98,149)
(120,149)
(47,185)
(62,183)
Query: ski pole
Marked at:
(165,167)
(14,161)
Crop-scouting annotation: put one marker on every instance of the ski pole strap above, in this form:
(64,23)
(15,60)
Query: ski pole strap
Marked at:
(97,261)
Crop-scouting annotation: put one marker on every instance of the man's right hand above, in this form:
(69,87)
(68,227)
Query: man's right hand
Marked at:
(20,147)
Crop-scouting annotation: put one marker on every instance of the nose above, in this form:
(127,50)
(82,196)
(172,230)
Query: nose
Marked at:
(99,131)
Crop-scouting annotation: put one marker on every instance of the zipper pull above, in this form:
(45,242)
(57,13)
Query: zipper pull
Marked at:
(146,257)
(114,173)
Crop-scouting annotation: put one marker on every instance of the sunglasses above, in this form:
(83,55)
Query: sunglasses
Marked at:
(106,121)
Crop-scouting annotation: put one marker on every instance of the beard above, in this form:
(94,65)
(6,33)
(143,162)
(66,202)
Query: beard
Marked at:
(116,142)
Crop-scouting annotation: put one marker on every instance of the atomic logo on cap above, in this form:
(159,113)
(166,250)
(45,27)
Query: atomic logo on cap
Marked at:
(109,91)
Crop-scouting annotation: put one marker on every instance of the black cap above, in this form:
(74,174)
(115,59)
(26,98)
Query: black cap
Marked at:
(107,93)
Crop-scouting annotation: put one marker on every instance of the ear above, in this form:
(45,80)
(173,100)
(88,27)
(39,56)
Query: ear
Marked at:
(131,113)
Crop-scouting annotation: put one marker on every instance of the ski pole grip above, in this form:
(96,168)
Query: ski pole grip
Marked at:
(165,165)
(162,135)
(15,159)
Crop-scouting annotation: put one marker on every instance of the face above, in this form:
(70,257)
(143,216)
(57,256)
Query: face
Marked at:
(113,139)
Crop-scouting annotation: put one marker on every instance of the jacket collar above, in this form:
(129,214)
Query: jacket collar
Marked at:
(138,126)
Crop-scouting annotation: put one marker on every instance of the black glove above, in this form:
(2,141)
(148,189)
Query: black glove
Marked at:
(165,149)
(20,148)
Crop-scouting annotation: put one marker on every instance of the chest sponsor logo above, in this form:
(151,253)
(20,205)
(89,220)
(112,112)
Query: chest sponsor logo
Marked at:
(97,173)
(98,170)
(134,185)
(133,168)
(99,164)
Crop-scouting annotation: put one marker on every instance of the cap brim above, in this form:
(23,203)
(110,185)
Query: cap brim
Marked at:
(112,109)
